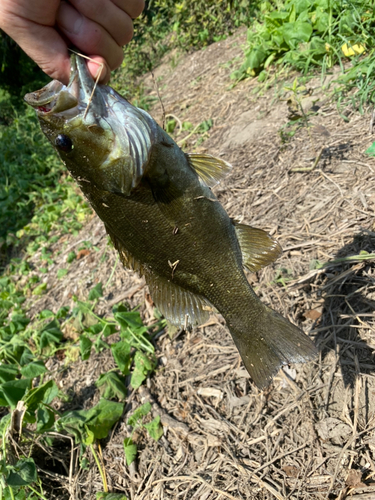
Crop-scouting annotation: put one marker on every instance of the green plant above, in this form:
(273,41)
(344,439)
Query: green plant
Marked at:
(301,34)
(26,384)
(186,25)
(136,421)
(36,200)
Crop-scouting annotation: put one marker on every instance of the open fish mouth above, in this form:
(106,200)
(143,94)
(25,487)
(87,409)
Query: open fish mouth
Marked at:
(78,97)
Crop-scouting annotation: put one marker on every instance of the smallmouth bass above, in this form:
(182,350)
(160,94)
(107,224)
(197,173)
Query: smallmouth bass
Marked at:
(158,208)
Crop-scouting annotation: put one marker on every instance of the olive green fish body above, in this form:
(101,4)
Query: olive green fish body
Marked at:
(166,223)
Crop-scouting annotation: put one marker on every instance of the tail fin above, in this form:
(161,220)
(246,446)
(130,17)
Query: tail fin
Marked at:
(271,342)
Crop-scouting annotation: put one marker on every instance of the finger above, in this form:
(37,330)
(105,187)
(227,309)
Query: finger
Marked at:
(132,7)
(106,14)
(44,45)
(88,36)
(37,11)
(98,68)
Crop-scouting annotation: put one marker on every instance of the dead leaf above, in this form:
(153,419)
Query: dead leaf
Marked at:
(82,253)
(312,314)
(354,479)
(291,470)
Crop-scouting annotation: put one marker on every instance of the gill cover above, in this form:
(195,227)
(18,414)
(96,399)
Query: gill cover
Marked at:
(111,138)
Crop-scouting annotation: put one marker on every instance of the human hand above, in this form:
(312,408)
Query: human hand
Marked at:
(45,28)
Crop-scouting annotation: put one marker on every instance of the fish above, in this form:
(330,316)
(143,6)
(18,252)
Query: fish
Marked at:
(158,207)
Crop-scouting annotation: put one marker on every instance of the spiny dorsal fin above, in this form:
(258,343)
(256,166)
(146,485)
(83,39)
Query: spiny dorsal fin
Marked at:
(179,306)
(210,169)
(258,248)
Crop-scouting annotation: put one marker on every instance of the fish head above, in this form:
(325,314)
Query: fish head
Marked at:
(102,139)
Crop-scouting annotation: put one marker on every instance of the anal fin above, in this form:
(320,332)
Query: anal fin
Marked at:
(258,248)
(179,306)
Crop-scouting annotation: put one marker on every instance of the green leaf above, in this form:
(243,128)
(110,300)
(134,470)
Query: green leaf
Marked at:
(103,416)
(62,312)
(130,449)
(128,319)
(40,289)
(46,313)
(45,393)
(170,126)
(143,365)
(139,413)
(12,495)
(33,369)
(296,33)
(87,425)
(71,256)
(73,422)
(61,273)
(109,329)
(50,334)
(110,496)
(111,385)
(100,345)
(23,473)
(371,150)
(96,292)
(155,428)
(8,372)
(122,355)
(45,419)
(96,328)
(85,346)
(13,391)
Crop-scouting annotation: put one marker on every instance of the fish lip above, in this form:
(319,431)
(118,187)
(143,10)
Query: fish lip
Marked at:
(57,98)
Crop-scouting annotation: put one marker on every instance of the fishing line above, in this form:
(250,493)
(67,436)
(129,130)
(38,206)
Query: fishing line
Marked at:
(96,80)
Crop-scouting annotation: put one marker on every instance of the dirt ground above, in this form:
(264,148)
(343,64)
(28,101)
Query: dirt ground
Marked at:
(311,434)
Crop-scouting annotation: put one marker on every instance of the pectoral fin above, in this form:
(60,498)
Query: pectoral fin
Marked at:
(258,248)
(210,169)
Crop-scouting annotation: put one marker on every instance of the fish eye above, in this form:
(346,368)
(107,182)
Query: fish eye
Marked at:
(64,143)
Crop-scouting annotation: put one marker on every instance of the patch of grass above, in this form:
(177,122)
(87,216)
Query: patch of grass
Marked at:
(306,35)
(26,383)
(37,198)
(185,25)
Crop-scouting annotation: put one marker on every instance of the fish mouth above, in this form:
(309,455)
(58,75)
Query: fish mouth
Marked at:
(80,96)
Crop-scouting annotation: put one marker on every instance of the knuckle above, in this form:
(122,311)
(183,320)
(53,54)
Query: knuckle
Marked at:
(138,8)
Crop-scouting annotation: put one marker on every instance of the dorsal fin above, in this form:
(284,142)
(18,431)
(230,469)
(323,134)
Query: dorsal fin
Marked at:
(258,248)
(179,306)
(210,169)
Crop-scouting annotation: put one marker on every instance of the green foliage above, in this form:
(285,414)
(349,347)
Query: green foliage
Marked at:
(302,34)
(112,385)
(186,25)
(22,474)
(18,73)
(110,496)
(34,199)
(136,421)
(88,425)
(22,373)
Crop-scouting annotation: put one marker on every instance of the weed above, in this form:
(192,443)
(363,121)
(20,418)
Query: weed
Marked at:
(303,35)
(26,385)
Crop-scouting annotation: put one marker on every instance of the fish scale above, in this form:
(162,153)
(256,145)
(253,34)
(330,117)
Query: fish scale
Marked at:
(166,223)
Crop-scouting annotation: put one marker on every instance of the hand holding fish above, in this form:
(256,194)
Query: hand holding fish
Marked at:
(45,28)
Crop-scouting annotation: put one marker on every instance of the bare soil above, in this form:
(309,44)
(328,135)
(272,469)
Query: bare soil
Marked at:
(310,435)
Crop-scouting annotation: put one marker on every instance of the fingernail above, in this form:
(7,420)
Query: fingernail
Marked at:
(69,19)
(97,70)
